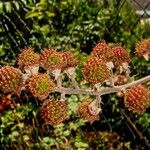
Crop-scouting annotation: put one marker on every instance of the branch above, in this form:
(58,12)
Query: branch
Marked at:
(136,129)
(103,91)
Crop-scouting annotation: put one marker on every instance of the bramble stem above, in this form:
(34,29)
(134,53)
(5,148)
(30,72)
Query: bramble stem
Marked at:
(139,133)
(102,91)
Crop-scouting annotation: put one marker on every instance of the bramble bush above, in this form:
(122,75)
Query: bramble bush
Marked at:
(75,26)
(44,106)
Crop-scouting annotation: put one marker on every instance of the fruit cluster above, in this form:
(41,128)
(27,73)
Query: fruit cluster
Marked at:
(11,80)
(143,49)
(137,99)
(54,112)
(38,84)
(39,75)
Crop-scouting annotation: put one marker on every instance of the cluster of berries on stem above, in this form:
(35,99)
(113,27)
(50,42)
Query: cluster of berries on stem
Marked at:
(106,71)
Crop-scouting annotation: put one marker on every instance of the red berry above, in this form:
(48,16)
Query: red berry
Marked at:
(120,56)
(143,48)
(11,80)
(84,112)
(40,86)
(51,59)
(96,71)
(54,112)
(102,51)
(28,58)
(137,99)
(69,60)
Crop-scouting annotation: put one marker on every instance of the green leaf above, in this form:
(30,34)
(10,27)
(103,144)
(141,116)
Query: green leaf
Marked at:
(26,137)
(80,144)
(24,1)
(8,7)
(32,14)
(1,7)
(2,52)
(15,133)
(50,14)
(17,5)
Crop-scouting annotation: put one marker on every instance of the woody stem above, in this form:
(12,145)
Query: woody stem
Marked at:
(102,91)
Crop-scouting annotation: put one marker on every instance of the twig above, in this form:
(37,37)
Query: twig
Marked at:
(71,74)
(139,133)
(102,91)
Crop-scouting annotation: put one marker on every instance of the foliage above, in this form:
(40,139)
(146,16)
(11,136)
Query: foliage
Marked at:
(74,25)
(42,109)
(68,25)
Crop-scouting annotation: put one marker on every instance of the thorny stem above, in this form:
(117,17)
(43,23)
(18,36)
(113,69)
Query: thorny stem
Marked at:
(102,91)
(59,81)
(136,129)
(71,74)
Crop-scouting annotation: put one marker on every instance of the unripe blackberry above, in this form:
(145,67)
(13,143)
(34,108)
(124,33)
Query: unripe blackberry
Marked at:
(120,56)
(54,112)
(40,86)
(11,80)
(51,59)
(121,79)
(103,51)
(96,71)
(28,58)
(137,99)
(69,60)
(84,112)
(143,48)
(5,103)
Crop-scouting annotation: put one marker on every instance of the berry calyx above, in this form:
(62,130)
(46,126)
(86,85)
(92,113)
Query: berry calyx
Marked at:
(121,79)
(84,112)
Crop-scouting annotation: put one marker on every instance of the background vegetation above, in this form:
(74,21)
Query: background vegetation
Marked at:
(76,26)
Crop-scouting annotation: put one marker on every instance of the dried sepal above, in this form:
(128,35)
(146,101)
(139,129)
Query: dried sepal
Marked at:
(84,112)
(40,86)
(137,99)
(143,49)
(96,71)
(11,80)
(54,112)
(51,59)
(28,58)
